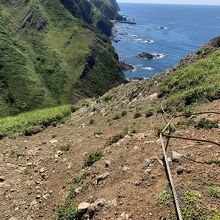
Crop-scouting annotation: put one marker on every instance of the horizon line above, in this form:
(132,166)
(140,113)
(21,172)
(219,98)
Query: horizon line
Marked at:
(158,3)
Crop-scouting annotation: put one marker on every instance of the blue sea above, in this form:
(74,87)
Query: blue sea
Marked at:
(172,31)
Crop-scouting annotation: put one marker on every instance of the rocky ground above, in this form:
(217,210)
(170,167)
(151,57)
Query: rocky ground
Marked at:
(37,173)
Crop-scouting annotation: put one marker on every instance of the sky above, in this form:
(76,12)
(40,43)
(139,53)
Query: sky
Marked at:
(199,2)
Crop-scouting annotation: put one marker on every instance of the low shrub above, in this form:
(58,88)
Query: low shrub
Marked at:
(92,158)
(149,113)
(66,213)
(204,123)
(137,115)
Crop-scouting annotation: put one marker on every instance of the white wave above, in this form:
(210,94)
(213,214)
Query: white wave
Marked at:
(159,55)
(163,28)
(148,41)
(135,69)
(139,39)
(148,68)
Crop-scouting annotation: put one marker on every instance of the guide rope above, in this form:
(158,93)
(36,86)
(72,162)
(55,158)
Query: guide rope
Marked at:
(165,146)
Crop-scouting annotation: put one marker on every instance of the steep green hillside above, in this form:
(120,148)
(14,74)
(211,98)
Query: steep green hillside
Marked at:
(196,80)
(50,56)
(109,8)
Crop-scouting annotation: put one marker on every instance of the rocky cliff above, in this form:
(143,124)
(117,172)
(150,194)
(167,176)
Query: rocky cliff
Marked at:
(46,53)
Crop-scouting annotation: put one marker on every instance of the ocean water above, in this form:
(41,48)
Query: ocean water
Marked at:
(173,31)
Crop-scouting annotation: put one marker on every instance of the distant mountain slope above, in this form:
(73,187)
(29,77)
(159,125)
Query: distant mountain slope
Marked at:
(54,52)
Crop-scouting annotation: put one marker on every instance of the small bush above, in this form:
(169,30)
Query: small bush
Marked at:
(185,123)
(134,128)
(74,108)
(158,130)
(149,113)
(116,138)
(187,113)
(66,213)
(192,196)
(116,117)
(165,198)
(124,113)
(214,161)
(65,147)
(214,192)
(137,115)
(91,121)
(107,98)
(71,193)
(192,210)
(206,124)
(92,158)
(80,179)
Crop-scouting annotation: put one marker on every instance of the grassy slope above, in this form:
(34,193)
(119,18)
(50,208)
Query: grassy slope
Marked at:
(185,87)
(24,123)
(41,68)
(198,82)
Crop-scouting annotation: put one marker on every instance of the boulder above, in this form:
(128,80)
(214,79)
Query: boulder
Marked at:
(107,163)
(125,67)
(176,157)
(147,55)
(82,208)
(102,177)
(2,179)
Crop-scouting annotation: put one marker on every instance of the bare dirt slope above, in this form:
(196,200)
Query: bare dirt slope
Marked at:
(37,172)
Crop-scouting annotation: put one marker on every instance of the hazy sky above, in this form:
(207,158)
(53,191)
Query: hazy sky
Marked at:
(200,2)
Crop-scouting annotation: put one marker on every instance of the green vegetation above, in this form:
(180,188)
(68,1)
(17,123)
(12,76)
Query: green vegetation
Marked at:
(134,128)
(185,123)
(214,192)
(124,113)
(116,138)
(214,161)
(149,113)
(71,193)
(107,98)
(66,213)
(137,115)
(65,147)
(193,210)
(91,121)
(198,82)
(24,123)
(39,69)
(93,158)
(206,124)
(202,123)
(79,180)
(116,117)
(165,198)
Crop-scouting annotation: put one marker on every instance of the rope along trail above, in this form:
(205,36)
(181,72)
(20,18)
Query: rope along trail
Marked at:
(164,149)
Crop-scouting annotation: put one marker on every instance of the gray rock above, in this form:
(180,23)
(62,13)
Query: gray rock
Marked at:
(176,157)
(78,190)
(99,203)
(85,217)
(113,202)
(102,177)
(137,183)
(107,163)
(125,169)
(2,179)
(82,208)
(53,141)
